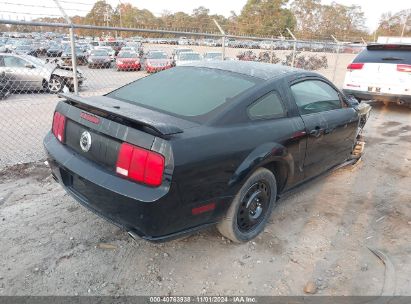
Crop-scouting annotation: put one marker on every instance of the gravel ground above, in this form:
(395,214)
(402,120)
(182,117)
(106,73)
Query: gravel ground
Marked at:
(320,239)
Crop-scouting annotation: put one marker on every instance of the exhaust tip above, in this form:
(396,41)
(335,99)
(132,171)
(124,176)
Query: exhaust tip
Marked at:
(133,235)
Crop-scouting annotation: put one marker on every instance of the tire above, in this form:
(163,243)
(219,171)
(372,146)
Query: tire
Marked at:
(259,193)
(55,85)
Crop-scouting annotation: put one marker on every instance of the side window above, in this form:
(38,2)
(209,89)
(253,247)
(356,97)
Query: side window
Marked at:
(14,62)
(268,106)
(313,96)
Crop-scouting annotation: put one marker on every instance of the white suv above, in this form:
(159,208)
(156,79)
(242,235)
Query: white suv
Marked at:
(381,72)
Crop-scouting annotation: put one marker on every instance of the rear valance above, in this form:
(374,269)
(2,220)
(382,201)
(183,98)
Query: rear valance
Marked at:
(142,116)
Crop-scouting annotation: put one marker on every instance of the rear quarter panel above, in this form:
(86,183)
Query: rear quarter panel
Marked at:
(213,162)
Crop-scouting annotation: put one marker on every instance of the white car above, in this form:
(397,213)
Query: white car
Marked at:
(183,41)
(381,72)
(209,56)
(188,57)
(109,49)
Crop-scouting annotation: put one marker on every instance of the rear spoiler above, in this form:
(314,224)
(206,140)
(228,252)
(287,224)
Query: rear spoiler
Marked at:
(123,110)
(389,46)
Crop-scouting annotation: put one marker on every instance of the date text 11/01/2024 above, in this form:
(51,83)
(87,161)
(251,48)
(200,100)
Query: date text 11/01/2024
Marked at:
(203,299)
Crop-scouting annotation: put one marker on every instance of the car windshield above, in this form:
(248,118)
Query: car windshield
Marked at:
(127,55)
(384,56)
(179,51)
(107,48)
(189,56)
(213,56)
(185,91)
(34,60)
(157,55)
(23,47)
(99,53)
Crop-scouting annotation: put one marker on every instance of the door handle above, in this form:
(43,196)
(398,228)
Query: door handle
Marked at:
(317,132)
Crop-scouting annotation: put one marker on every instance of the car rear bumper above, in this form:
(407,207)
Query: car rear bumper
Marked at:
(155,214)
(363,95)
(157,69)
(127,66)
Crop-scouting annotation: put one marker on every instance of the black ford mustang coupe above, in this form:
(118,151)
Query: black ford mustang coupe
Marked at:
(202,144)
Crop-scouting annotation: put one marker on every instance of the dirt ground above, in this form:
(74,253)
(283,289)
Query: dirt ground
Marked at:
(325,233)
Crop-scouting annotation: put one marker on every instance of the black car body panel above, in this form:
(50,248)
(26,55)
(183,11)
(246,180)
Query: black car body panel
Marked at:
(205,161)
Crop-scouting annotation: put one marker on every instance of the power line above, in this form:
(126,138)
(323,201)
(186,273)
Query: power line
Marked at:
(33,14)
(41,6)
(73,2)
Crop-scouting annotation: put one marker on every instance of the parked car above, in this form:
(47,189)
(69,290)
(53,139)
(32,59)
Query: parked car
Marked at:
(176,53)
(80,55)
(194,146)
(213,56)
(128,61)
(156,61)
(99,58)
(108,49)
(115,46)
(4,85)
(27,73)
(209,42)
(183,41)
(24,49)
(137,46)
(187,57)
(381,72)
(55,50)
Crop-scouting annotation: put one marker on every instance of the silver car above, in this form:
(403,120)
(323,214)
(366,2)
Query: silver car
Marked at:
(27,73)
(188,57)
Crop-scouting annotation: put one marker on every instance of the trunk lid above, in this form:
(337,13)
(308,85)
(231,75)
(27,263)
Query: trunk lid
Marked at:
(103,124)
(161,124)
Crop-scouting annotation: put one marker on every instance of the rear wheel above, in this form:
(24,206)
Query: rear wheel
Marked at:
(251,207)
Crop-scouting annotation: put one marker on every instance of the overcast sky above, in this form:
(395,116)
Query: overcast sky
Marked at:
(26,9)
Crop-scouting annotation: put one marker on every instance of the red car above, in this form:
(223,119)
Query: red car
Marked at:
(128,61)
(157,61)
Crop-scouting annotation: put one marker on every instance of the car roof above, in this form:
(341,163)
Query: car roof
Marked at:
(255,69)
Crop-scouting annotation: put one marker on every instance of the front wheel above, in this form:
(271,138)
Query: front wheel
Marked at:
(55,84)
(251,207)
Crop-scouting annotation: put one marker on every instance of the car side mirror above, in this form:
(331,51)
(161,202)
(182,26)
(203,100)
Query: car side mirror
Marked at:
(351,100)
(29,66)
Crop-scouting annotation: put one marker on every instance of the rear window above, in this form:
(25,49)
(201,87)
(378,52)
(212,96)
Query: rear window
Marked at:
(384,56)
(185,91)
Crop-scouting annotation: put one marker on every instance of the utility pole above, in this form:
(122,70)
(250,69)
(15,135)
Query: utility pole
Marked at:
(294,47)
(404,25)
(336,58)
(222,39)
(119,11)
(72,45)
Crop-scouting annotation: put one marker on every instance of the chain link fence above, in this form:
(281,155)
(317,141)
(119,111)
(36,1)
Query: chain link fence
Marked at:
(37,64)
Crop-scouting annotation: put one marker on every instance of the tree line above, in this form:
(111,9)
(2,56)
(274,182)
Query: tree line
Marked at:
(307,19)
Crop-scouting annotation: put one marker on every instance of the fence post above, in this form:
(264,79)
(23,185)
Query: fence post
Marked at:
(271,49)
(72,45)
(222,39)
(336,58)
(294,46)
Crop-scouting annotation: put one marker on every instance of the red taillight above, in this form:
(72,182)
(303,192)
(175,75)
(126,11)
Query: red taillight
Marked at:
(140,165)
(355,66)
(404,68)
(59,125)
